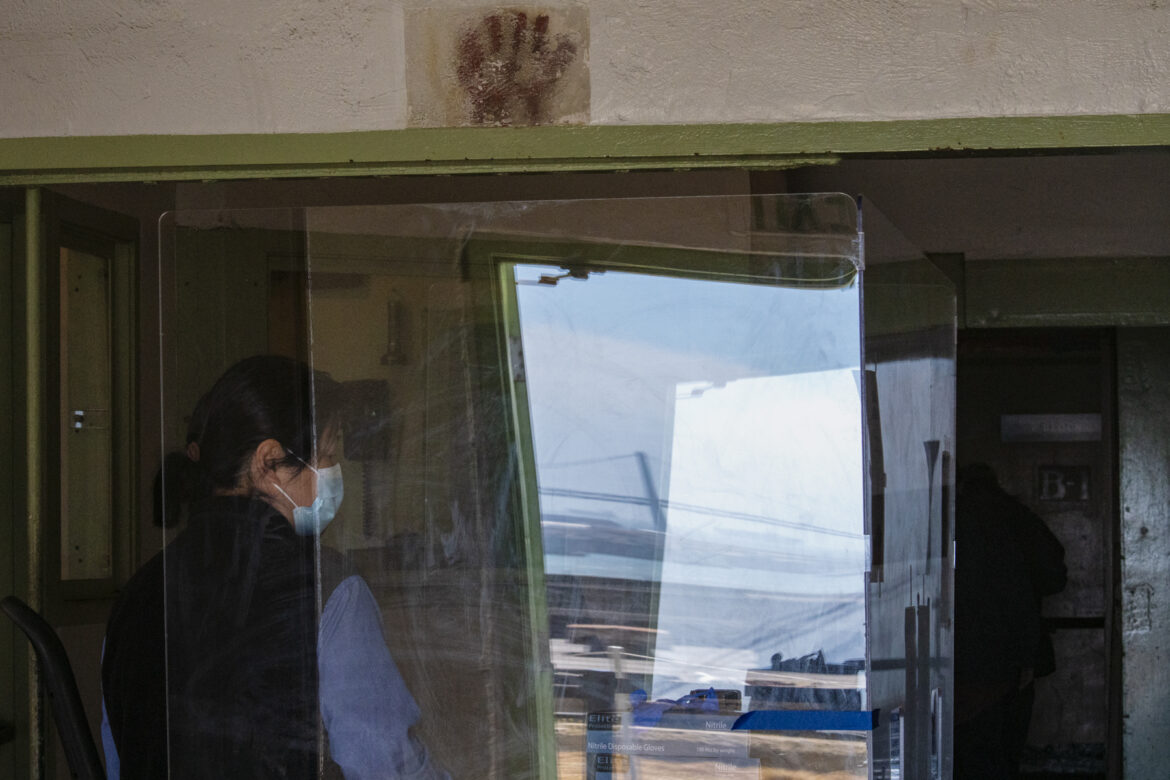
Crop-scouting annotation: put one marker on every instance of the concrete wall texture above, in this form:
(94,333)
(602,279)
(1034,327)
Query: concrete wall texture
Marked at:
(1143,369)
(114,67)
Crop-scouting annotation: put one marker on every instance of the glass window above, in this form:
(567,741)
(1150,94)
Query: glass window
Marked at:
(606,501)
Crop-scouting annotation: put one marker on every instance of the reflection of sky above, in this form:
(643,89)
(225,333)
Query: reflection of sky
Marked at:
(780,457)
(730,412)
(786,450)
(603,358)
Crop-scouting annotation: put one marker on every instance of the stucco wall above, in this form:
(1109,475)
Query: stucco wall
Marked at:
(214,66)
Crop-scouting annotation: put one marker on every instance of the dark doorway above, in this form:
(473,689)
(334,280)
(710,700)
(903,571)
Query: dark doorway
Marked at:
(1037,405)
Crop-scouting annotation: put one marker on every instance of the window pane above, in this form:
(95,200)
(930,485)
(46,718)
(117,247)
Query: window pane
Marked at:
(698,454)
(605,490)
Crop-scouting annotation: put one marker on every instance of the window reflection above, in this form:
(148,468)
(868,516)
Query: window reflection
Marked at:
(699,465)
(605,470)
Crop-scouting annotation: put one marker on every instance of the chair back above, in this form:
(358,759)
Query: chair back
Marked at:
(68,712)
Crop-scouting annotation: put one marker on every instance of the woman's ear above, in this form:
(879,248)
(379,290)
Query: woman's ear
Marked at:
(261,470)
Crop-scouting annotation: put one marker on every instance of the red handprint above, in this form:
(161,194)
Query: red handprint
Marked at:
(509,69)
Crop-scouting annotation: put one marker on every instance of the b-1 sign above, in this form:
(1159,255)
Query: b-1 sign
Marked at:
(1063,483)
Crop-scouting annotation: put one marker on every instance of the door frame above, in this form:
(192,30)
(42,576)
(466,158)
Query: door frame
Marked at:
(1104,339)
(33,452)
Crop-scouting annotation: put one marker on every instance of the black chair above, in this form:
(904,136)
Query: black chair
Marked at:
(72,726)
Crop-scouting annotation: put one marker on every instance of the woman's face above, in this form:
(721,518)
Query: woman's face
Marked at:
(301,485)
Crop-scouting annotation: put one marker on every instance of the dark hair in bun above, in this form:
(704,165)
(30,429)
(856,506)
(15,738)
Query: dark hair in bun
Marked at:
(259,398)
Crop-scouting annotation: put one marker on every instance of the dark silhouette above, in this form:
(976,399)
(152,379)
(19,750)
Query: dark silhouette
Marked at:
(1007,561)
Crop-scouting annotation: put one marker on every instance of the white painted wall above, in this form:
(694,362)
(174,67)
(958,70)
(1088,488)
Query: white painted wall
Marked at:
(216,66)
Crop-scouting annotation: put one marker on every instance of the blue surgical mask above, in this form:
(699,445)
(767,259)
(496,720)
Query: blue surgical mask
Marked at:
(311,520)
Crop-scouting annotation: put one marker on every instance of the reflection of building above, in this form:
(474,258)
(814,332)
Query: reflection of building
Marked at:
(808,681)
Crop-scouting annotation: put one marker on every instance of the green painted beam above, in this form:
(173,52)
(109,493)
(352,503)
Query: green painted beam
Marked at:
(1087,292)
(550,148)
(34,293)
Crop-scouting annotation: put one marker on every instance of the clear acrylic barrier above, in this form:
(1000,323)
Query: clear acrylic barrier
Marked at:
(605,477)
(910,411)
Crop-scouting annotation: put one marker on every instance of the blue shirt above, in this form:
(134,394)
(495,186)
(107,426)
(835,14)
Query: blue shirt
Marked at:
(365,705)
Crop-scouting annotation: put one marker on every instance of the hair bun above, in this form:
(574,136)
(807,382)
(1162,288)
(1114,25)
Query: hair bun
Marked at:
(174,485)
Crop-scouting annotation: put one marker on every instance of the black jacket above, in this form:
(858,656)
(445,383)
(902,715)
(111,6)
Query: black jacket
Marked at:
(210,663)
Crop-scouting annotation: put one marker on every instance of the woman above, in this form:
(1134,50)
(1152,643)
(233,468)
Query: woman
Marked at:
(245,649)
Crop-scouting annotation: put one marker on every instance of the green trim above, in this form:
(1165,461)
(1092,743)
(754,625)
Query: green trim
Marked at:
(34,292)
(550,148)
(22,656)
(1085,292)
(124,324)
(11,677)
(533,541)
